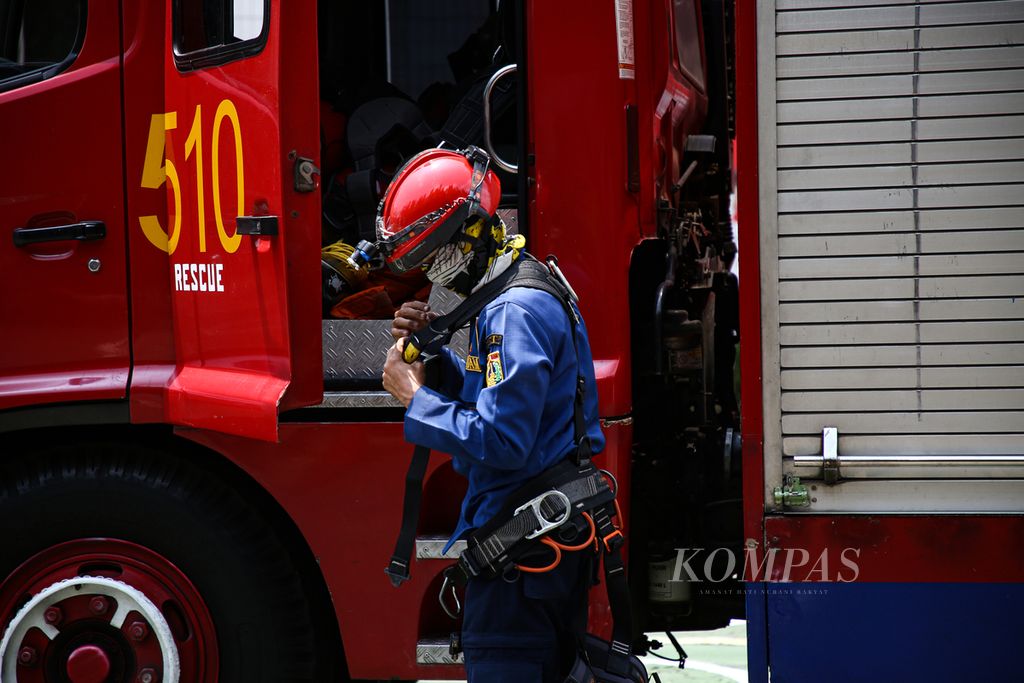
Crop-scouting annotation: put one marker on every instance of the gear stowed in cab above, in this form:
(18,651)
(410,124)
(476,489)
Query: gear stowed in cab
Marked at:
(549,514)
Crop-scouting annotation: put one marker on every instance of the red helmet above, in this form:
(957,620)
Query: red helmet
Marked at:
(431,197)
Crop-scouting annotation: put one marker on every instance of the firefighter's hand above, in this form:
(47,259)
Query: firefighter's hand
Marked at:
(411,317)
(402,379)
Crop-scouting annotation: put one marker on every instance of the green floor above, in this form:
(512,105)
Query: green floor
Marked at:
(714,656)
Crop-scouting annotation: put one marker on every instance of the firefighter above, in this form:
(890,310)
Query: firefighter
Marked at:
(505,415)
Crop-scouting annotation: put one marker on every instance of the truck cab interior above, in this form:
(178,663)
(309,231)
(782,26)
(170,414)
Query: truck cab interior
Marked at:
(423,71)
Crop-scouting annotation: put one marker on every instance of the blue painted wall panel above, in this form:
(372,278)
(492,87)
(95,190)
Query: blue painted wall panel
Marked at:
(899,632)
(757,633)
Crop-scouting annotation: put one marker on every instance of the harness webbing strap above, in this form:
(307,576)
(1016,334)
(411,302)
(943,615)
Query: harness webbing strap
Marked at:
(439,332)
(553,478)
(490,551)
(579,426)
(617,657)
(617,588)
(622,617)
(398,569)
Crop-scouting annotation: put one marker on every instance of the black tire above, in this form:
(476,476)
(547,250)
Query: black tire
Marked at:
(240,562)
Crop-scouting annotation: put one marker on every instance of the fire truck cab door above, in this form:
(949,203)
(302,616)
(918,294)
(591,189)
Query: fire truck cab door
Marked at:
(240,146)
(64,311)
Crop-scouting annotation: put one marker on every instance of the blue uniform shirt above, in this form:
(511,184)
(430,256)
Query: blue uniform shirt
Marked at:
(503,435)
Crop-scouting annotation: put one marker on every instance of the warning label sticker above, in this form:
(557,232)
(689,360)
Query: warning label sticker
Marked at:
(624,29)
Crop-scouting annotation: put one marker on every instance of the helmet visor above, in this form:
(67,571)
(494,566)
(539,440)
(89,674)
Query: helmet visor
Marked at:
(411,246)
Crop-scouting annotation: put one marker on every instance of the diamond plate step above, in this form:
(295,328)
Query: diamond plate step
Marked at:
(432,547)
(354,350)
(434,651)
(359,399)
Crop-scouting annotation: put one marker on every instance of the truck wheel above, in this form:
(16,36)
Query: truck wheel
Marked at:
(127,564)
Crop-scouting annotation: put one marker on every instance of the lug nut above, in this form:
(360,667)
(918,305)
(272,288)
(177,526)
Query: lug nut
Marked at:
(53,616)
(27,656)
(99,605)
(138,630)
(147,675)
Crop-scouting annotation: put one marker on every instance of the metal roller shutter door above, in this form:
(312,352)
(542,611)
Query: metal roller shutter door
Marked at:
(892,229)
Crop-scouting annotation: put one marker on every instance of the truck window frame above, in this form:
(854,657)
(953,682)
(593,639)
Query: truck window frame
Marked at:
(698,79)
(215,55)
(47,72)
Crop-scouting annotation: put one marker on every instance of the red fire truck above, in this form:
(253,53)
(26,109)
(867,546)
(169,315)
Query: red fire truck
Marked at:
(201,474)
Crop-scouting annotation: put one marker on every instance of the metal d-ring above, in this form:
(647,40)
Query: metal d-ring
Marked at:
(615,482)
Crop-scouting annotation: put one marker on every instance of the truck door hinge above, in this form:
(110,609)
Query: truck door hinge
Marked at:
(792,494)
(307,175)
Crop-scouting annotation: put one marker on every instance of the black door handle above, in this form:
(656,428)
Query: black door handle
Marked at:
(85,231)
(257,226)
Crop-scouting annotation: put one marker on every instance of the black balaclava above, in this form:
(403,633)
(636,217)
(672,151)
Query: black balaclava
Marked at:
(477,253)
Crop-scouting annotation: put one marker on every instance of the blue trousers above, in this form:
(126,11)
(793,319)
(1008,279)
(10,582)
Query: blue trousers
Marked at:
(524,628)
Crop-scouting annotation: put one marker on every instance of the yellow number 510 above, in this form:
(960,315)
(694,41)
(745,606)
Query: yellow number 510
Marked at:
(156,169)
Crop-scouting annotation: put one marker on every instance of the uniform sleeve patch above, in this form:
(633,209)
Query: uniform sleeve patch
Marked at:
(494,370)
(493,340)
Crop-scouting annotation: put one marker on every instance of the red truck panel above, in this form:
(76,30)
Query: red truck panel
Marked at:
(152,332)
(65,326)
(579,187)
(911,548)
(243,325)
(750,290)
(342,485)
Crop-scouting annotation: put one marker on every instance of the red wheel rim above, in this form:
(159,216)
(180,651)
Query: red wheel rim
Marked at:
(80,626)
